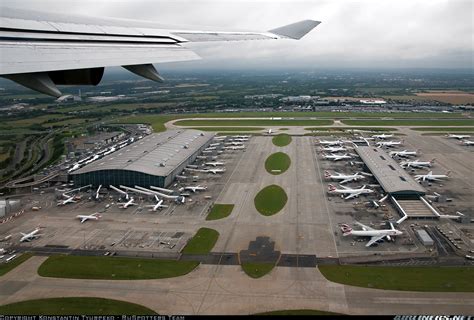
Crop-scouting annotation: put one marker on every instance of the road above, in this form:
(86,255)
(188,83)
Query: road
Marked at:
(219,289)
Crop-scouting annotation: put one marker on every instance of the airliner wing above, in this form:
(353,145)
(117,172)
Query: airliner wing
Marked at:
(41,50)
(353,195)
(374,240)
(364,227)
(346,180)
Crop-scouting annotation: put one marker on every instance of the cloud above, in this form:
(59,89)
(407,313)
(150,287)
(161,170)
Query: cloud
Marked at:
(363,33)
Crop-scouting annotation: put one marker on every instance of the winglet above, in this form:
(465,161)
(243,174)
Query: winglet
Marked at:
(296,30)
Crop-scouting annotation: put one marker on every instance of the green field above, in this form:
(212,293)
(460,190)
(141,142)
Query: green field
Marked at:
(302,312)
(277,161)
(36,120)
(435,279)
(281,140)
(411,122)
(84,267)
(202,242)
(217,129)
(338,129)
(257,270)
(270,200)
(75,306)
(8,266)
(458,130)
(158,121)
(253,122)
(220,211)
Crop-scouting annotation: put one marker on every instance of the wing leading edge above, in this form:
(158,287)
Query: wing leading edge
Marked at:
(42,50)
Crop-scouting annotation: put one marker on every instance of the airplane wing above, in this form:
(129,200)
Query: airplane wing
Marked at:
(346,180)
(42,50)
(344,187)
(364,227)
(83,220)
(353,195)
(374,240)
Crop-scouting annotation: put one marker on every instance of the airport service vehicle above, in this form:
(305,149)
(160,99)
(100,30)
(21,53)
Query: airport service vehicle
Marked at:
(403,153)
(30,236)
(382,136)
(388,144)
(458,136)
(346,177)
(375,235)
(431,177)
(84,218)
(41,50)
(337,157)
(125,205)
(417,164)
(352,193)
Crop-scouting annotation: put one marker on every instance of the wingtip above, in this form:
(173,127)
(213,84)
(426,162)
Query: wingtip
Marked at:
(296,30)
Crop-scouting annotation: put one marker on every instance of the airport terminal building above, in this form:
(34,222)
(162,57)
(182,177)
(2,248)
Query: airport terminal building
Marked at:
(393,179)
(154,160)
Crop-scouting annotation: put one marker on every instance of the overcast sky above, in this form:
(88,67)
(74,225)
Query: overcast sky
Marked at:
(362,33)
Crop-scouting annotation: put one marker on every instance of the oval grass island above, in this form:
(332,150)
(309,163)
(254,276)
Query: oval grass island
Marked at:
(281,140)
(113,268)
(202,242)
(270,200)
(277,163)
(257,270)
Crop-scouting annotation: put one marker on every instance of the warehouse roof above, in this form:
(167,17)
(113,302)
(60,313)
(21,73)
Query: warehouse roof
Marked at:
(156,154)
(393,178)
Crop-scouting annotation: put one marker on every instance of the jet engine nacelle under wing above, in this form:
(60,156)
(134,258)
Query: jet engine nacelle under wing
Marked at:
(40,50)
(46,82)
(90,76)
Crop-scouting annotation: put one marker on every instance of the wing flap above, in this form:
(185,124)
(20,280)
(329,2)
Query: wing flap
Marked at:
(30,57)
(205,36)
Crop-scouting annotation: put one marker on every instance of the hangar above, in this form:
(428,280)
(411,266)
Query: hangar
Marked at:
(154,160)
